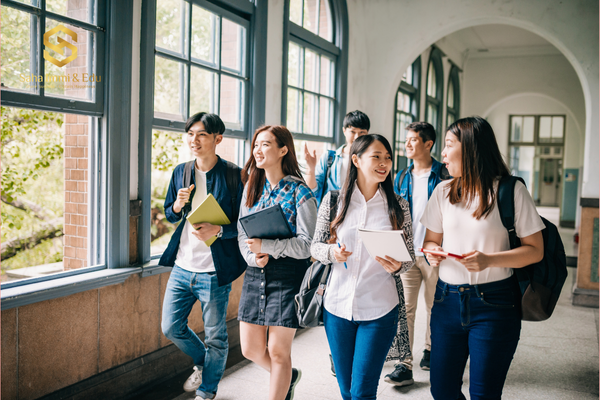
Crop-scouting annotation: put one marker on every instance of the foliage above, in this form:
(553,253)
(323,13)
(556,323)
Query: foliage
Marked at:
(15,47)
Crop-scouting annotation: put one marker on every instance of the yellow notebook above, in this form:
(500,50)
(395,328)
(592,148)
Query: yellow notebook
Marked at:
(209,211)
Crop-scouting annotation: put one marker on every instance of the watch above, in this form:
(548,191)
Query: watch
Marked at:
(220,233)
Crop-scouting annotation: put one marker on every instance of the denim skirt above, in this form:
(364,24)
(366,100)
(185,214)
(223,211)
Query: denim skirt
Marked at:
(268,293)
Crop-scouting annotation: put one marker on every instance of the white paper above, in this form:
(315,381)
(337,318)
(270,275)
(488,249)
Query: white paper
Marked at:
(385,243)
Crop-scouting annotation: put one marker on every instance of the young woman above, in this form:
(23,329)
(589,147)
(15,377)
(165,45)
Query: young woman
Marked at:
(275,267)
(476,310)
(364,298)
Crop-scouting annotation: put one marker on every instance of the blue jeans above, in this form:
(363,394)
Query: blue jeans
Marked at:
(358,349)
(480,321)
(183,289)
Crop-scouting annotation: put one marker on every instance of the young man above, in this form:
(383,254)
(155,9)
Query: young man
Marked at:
(415,184)
(200,272)
(356,123)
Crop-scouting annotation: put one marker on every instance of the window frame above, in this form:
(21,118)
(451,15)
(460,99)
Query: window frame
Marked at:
(435,58)
(336,50)
(536,130)
(454,80)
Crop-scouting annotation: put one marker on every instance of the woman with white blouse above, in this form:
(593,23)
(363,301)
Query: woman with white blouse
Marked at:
(362,303)
(476,311)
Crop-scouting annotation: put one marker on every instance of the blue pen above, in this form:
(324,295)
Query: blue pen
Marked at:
(345,265)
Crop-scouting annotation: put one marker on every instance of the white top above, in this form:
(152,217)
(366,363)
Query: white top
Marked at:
(365,291)
(463,233)
(420,194)
(193,255)
(344,169)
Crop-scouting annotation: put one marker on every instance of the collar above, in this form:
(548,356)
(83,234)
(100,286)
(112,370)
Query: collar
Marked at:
(340,151)
(436,166)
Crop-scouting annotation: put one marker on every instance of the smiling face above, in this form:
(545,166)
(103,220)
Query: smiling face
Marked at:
(201,142)
(266,151)
(415,147)
(375,163)
(351,133)
(452,155)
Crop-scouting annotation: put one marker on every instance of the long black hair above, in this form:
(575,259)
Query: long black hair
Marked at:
(360,145)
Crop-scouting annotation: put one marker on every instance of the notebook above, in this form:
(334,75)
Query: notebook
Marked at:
(268,223)
(385,243)
(209,211)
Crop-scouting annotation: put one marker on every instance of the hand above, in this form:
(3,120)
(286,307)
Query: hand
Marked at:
(205,231)
(340,254)
(183,197)
(434,260)
(475,261)
(254,245)
(261,259)
(389,264)
(311,159)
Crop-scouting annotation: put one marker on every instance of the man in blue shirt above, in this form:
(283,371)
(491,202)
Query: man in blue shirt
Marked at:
(202,272)
(322,179)
(415,184)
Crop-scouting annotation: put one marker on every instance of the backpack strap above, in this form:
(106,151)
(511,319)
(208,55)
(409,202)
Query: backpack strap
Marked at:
(401,179)
(506,207)
(232,179)
(330,157)
(188,170)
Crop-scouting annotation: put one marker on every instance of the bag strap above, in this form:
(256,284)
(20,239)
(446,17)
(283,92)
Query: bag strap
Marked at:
(330,157)
(506,207)
(188,169)
(402,175)
(232,179)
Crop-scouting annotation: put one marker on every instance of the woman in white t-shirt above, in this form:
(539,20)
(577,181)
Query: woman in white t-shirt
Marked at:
(476,310)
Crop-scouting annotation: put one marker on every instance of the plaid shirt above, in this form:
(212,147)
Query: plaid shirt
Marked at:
(291,192)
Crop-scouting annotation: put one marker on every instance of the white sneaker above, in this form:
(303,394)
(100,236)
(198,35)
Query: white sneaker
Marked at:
(194,381)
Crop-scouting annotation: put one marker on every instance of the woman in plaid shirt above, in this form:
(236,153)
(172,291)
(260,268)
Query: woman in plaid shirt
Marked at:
(275,267)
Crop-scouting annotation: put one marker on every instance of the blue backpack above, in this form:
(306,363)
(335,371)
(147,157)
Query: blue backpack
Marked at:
(540,283)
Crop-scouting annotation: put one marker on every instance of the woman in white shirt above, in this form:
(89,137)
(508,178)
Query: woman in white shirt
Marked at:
(363,301)
(476,310)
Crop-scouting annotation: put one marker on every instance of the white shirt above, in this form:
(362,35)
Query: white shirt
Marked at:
(420,193)
(463,233)
(193,255)
(365,291)
(344,169)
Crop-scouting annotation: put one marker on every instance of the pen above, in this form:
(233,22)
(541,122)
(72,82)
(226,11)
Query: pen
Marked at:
(345,265)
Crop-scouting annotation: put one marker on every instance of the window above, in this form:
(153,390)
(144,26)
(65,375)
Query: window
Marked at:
(453,98)
(53,98)
(314,66)
(434,96)
(407,101)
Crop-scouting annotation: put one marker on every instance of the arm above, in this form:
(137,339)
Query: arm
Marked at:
(311,161)
(299,246)
(173,215)
(433,241)
(321,250)
(320,177)
(249,256)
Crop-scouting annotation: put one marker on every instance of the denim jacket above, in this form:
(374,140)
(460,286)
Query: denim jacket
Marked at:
(229,263)
(335,181)
(404,188)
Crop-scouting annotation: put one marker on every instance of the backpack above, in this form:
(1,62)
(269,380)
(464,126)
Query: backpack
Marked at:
(232,179)
(540,283)
(330,157)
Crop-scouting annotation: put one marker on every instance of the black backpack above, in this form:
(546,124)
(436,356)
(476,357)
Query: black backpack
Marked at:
(542,282)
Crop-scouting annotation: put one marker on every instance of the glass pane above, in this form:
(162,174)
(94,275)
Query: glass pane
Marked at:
(205,35)
(171,25)
(311,70)
(325,117)
(325,21)
(169,87)
(293,111)
(528,129)
(545,129)
(45,231)
(400,101)
(76,9)
(311,10)
(233,43)
(521,163)
(310,114)
(516,129)
(408,75)
(432,115)
(15,31)
(327,70)
(204,91)
(35,3)
(294,59)
(407,103)
(450,100)
(68,55)
(296,12)
(451,119)
(232,102)
(232,150)
(558,124)
(431,80)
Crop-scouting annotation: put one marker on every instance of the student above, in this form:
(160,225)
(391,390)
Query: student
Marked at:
(200,272)
(361,303)
(276,267)
(415,184)
(476,311)
(356,124)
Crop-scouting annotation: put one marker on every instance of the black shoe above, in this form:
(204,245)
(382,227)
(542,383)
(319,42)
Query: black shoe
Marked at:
(332,366)
(401,376)
(296,375)
(425,360)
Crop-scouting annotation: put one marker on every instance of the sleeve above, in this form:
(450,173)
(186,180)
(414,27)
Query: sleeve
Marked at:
(172,216)
(433,218)
(408,236)
(230,231)
(297,247)
(527,219)
(246,253)
(320,175)
(319,249)
(397,182)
